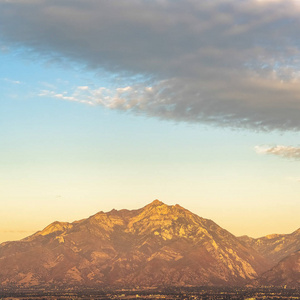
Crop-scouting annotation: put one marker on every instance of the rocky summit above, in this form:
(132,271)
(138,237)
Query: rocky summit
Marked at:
(157,245)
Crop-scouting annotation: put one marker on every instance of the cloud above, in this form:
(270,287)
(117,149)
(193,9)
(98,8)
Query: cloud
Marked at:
(11,81)
(283,151)
(75,97)
(231,63)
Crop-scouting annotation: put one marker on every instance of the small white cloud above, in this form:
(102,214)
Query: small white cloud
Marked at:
(11,81)
(83,88)
(279,150)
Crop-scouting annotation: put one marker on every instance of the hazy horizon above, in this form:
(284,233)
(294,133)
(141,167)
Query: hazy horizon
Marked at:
(110,105)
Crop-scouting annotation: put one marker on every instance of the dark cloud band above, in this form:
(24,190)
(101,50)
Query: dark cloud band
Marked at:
(233,63)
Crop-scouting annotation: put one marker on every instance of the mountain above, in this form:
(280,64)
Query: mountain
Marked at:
(152,246)
(274,247)
(286,272)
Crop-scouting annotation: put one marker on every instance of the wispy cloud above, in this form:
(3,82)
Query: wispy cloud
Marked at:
(279,150)
(234,63)
(122,98)
(4,48)
(75,97)
(11,81)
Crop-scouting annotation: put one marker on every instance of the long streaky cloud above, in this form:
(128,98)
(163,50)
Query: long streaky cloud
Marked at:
(231,63)
(279,150)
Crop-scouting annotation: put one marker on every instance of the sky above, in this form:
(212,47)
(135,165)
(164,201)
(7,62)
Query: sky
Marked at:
(112,104)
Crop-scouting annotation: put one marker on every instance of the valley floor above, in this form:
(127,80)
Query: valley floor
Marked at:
(168,293)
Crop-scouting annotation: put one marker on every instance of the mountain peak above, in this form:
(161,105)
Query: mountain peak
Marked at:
(159,208)
(55,227)
(156,202)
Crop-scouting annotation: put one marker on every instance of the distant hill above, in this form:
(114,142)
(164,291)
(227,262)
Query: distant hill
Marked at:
(274,247)
(157,245)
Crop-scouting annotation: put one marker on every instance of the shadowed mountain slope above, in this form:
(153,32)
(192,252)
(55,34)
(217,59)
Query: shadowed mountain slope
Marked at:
(286,272)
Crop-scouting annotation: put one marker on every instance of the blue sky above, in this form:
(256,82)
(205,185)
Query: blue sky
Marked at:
(96,116)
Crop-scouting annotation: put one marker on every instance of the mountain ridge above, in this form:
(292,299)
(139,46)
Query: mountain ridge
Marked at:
(274,246)
(155,245)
